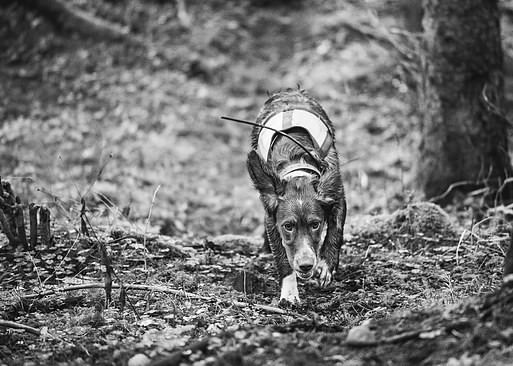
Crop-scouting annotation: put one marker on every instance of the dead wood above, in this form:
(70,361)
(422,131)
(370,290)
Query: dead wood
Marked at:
(20,224)
(33,210)
(9,324)
(6,228)
(163,289)
(68,18)
(44,226)
(12,221)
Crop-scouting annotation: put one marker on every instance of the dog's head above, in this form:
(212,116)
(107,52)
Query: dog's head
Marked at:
(301,208)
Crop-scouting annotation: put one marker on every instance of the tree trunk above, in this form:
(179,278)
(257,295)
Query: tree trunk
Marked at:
(464,141)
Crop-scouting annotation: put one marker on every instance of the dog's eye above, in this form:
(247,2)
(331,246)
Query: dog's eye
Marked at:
(315,225)
(288,226)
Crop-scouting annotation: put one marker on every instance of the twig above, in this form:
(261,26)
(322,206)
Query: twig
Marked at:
(458,247)
(146,226)
(128,236)
(163,289)
(83,225)
(37,270)
(109,271)
(449,190)
(70,18)
(108,286)
(9,324)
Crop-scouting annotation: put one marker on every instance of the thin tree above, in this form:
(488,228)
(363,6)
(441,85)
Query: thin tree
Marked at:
(464,142)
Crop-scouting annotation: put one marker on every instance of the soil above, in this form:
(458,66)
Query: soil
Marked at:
(135,132)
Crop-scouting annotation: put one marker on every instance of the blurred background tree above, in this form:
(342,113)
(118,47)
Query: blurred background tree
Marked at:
(464,132)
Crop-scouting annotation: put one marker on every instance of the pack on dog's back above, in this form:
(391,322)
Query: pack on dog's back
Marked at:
(301,191)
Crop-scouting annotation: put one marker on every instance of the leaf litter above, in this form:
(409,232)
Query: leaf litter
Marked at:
(408,277)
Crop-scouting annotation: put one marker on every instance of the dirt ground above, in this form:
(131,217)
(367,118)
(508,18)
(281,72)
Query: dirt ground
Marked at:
(135,132)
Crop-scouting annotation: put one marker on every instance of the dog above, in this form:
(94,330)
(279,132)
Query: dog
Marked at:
(301,191)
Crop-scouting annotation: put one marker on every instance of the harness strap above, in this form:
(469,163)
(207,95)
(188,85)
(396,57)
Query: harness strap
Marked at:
(299,170)
(282,121)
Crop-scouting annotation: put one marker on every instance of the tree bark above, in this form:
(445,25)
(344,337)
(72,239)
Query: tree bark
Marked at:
(508,259)
(464,137)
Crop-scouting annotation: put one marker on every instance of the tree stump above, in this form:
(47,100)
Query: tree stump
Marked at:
(12,220)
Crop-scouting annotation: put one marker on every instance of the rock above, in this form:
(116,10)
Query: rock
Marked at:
(361,335)
(139,359)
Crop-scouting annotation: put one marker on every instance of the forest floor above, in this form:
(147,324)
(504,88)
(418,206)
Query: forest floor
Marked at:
(135,132)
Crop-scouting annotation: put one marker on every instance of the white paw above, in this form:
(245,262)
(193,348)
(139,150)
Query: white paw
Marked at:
(289,290)
(324,273)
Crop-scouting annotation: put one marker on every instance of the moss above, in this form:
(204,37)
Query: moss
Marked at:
(419,218)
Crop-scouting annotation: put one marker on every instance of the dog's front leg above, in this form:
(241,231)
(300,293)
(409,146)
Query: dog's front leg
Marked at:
(329,255)
(287,277)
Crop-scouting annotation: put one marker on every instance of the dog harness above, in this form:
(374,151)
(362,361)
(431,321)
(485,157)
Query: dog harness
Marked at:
(283,121)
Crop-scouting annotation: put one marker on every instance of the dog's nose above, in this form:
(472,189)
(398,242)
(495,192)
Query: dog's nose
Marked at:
(306,267)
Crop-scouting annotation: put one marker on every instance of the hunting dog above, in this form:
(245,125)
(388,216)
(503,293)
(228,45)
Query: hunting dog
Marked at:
(301,189)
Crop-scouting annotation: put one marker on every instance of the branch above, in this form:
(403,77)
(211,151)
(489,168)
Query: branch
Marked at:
(68,18)
(9,324)
(163,289)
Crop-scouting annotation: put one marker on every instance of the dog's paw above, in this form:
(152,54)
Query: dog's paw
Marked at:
(289,292)
(324,274)
(289,303)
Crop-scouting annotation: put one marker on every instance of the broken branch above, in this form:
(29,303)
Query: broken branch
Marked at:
(71,19)
(163,289)
(9,324)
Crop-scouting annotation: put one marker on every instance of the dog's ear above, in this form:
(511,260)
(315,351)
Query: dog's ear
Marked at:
(265,180)
(328,189)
